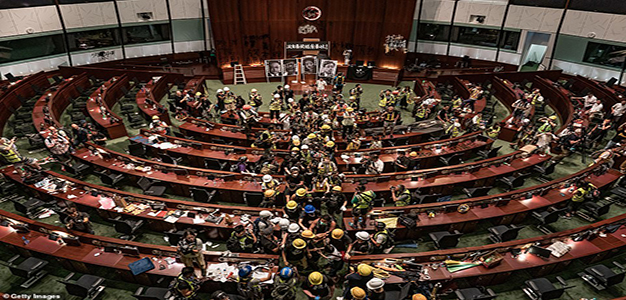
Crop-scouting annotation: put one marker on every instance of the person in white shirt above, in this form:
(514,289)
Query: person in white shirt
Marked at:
(618,110)
(596,108)
(321,84)
(376,166)
(588,100)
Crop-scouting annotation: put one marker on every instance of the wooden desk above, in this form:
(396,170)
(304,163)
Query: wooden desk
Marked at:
(59,100)
(23,89)
(110,92)
(265,121)
(154,91)
(507,93)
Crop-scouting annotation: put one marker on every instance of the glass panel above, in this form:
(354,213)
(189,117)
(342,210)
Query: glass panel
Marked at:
(24,3)
(93,39)
(509,40)
(146,33)
(475,36)
(541,3)
(15,50)
(434,32)
(604,54)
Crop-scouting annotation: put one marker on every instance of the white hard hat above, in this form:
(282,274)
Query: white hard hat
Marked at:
(290,100)
(293,228)
(265,214)
(267,178)
(286,86)
(305,147)
(226,89)
(253,90)
(363,235)
(276,96)
(375,283)
(219,90)
(283,223)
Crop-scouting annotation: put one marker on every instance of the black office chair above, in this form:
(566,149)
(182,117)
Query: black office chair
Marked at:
(152,293)
(493,152)
(31,207)
(477,191)
(513,181)
(174,236)
(168,159)
(77,169)
(419,199)
(214,164)
(220,141)
(252,199)
(202,195)
(109,178)
(543,289)
(479,293)
(399,142)
(150,187)
(503,233)
(451,160)
(548,216)
(128,228)
(602,277)
(545,169)
(137,149)
(31,269)
(445,239)
(596,210)
(87,286)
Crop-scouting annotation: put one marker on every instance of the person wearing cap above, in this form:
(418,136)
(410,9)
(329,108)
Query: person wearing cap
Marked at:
(318,287)
(386,99)
(329,149)
(356,92)
(376,289)
(263,221)
(241,240)
(326,131)
(287,94)
(334,200)
(358,278)
(186,285)
(269,183)
(159,127)
(269,199)
(401,195)
(414,161)
(296,253)
(362,245)
(310,214)
(358,293)
(255,99)
(339,81)
(265,140)
(248,118)
(418,297)
(268,242)
(326,167)
(382,240)
(248,286)
(275,106)
(361,205)
(220,96)
(390,118)
(348,123)
(401,164)
(229,100)
(284,287)
(293,210)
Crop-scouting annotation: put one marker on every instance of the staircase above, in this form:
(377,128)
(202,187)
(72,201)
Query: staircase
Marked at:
(239,76)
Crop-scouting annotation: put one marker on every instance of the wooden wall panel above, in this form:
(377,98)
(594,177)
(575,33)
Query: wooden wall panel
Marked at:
(255,34)
(283,16)
(397,14)
(320,24)
(368,26)
(340,25)
(225,23)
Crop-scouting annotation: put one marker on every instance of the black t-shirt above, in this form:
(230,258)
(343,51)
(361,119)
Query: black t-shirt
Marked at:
(321,290)
(268,244)
(294,254)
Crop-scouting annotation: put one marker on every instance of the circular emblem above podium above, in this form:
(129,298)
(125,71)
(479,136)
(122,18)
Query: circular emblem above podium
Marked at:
(311,13)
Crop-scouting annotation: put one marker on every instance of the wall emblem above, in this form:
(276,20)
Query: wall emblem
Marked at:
(307,29)
(395,42)
(311,13)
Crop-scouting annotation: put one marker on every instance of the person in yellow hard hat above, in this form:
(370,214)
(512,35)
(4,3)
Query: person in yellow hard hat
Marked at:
(329,149)
(326,131)
(333,202)
(358,279)
(293,210)
(418,297)
(295,253)
(338,242)
(269,199)
(318,285)
(358,293)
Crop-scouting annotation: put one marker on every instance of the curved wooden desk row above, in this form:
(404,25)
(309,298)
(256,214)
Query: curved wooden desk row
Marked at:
(195,153)
(111,91)
(210,131)
(508,208)
(20,91)
(507,93)
(558,98)
(591,251)
(181,178)
(149,97)
(266,122)
(90,253)
(59,100)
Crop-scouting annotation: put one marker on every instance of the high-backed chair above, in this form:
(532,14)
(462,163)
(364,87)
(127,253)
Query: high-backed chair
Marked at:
(503,233)
(490,153)
(110,179)
(137,149)
(602,277)
(475,294)
(445,239)
(128,228)
(151,187)
(152,293)
(202,195)
(31,269)
(252,199)
(30,207)
(543,289)
(87,286)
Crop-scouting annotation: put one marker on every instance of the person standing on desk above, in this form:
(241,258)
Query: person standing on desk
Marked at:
(78,221)
(190,250)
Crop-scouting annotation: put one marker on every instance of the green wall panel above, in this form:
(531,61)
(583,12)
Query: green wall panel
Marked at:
(187,30)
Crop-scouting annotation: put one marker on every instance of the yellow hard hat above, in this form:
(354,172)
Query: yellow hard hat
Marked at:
(413,154)
(419,297)
(336,233)
(296,142)
(155,117)
(350,109)
(198,94)
(357,293)
(299,243)
(312,136)
(308,234)
(301,192)
(269,193)
(552,118)
(325,127)
(316,278)
(292,204)
(330,144)
(352,98)
(295,149)
(364,270)
(337,188)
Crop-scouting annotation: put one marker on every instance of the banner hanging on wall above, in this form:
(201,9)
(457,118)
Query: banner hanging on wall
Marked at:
(307,46)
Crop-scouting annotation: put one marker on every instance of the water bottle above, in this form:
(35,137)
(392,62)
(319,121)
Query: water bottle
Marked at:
(25,240)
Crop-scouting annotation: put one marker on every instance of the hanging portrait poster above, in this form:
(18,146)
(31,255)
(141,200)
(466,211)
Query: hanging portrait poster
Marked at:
(309,65)
(290,67)
(274,68)
(328,68)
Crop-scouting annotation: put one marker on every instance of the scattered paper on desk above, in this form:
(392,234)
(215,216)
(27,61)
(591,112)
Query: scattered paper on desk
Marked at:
(106,203)
(153,213)
(171,219)
(198,221)
(71,196)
